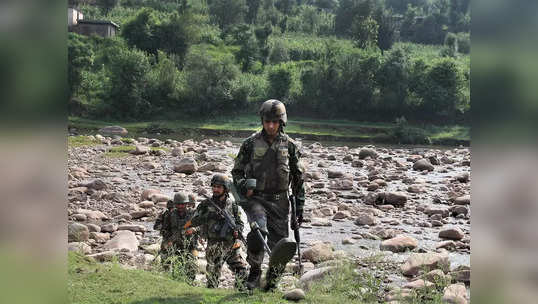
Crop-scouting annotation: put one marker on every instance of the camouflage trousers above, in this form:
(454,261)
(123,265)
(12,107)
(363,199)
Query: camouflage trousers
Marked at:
(218,252)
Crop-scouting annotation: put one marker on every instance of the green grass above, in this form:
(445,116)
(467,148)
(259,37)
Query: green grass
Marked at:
(349,130)
(91,282)
(81,141)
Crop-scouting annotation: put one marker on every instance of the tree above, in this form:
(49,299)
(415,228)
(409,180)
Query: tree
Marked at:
(279,82)
(252,11)
(392,79)
(228,12)
(140,31)
(129,69)
(80,57)
(177,34)
(386,30)
(107,5)
(364,31)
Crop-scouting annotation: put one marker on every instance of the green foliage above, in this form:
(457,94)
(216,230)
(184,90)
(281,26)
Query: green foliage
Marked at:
(228,12)
(80,57)
(364,32)
(310,20)
(107,5)
(81,141)
(279,82)
(129,70)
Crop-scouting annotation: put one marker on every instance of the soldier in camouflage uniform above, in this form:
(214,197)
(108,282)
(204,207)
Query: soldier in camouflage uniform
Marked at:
(164,215)
(222,240)
(272,158)
(175,242)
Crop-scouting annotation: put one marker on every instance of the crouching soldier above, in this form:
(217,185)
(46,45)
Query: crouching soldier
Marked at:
(222,239)
(177,245)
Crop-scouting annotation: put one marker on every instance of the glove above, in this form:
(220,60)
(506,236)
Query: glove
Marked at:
(190,231)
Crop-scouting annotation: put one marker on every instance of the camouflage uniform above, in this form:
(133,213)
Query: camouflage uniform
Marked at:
(274,166)
(176,243)
(221,244)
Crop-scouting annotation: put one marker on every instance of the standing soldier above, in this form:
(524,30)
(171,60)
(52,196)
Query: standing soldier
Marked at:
(164,215)
(271,158)
(222,238)
(177,242)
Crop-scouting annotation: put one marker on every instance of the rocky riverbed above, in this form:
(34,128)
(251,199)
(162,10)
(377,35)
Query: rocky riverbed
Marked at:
(401,213)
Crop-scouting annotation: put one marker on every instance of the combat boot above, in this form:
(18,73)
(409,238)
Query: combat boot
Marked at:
(254,276)
(270,279)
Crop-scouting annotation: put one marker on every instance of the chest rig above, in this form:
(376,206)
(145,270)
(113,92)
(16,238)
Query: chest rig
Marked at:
(217,228)
(269,164)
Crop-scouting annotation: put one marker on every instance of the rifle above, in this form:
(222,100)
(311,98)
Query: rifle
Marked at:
(295,227)
(229,221)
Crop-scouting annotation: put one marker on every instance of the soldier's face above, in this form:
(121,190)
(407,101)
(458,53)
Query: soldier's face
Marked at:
(271,126)
(218,190)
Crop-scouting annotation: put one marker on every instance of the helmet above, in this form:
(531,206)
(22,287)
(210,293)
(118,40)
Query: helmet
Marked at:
(170,204)
(181,198)
(221,179)
(273,109)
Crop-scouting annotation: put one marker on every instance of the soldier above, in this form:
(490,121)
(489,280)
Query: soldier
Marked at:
(176,243)
(222,239)
(159,221)
(272,158)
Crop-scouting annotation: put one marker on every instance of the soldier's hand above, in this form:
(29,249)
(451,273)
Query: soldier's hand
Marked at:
(190,231)
(236,234)
(169,244)
(250,192)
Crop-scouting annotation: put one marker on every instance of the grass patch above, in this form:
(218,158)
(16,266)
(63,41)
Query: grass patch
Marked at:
(348,130)
(91,282)
(81,141)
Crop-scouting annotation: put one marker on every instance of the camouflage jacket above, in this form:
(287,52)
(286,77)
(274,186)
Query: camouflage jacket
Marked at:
(274,166)
(173,227)
(213,225)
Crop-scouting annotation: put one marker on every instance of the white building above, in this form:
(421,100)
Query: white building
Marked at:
(73,16)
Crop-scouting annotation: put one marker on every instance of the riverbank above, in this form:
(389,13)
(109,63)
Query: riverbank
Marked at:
(308,129)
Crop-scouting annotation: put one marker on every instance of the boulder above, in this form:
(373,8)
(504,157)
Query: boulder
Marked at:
(365,219)
(177,151)
(79,247)
(186,165)
(397,199)
(123,240)
(316,274)
(334,173)
(146,194)
(451,233)
(422,164)
(134,228)
(455,294)
(424,261)
(365,152)
(77,232)
(296,294)
(109,227)
(113,130)
(319,252)
(400,243)
(93,214)
(100,237)
(463,200)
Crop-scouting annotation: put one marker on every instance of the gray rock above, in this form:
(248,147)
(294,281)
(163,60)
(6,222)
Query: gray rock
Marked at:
(319,252)
(177,151)
(123,240)
(141,149)
(93,228)
(451,233)
(334,173)
(463,200)
(397,199)
(400,243)
(341,215)
(113,130)
(424,261)
(100,237)
(455,294)
(316,274)
(365,152)
(134,228)
(79,217)
(146,194)
(463,177)
(186,165)
(462,274)
(140,213)
(77,232)
(422,164)
(109,227)
(79,247)
(294,295)
(365,219)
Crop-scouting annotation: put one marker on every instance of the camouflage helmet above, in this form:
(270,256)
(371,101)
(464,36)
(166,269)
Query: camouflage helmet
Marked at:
(221,179)
(181,198)
(170,204)
(273,109)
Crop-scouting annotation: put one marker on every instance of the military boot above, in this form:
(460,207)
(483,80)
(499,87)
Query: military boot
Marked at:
(254,276)
(270,279)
